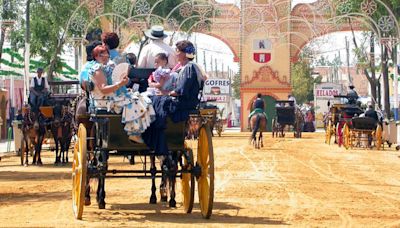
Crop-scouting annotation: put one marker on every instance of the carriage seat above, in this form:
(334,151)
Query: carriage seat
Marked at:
(102,111)
(364,123)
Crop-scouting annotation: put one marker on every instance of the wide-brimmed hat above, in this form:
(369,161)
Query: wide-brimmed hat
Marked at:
(156,32)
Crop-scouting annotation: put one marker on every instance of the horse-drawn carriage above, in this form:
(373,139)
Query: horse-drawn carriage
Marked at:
(106,136)
(287,114)
(53,120)
(214,117)
(339,113)
(362,132)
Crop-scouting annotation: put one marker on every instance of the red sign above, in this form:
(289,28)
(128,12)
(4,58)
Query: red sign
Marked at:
(215,98)
(262,57)
(326,92)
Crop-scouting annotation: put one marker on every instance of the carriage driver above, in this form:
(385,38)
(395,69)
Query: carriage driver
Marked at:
(258,107)
(39,90)
(352,95)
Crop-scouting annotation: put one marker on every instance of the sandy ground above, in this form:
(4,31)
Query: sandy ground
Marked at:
(300,182)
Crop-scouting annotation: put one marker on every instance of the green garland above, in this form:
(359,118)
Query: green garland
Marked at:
(13,54)
(34,64)
(10,64)
(9,73)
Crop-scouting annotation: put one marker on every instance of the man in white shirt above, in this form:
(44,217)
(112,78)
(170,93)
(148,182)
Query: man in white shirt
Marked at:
(39,90)
(147,56)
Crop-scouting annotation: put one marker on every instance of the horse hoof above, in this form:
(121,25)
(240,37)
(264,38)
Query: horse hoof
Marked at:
(87,201)
(39,163)
(172,203)
(153,200)
(164,198)
(26,164)
(102,205)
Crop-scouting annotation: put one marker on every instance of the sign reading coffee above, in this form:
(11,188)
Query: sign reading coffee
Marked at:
(217,87)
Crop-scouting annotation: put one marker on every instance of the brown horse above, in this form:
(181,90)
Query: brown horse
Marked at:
(62,130)
(258,123)
(33,131)
(298,123)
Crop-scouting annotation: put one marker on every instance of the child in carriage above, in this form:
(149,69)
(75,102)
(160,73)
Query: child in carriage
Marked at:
(161,81)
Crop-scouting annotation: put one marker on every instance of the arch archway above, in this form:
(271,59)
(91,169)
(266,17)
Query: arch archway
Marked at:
(284,30)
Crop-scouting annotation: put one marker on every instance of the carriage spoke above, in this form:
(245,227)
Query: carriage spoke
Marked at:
(204,192)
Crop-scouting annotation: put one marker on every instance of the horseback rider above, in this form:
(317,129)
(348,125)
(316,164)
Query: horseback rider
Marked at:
(258,107)
(39,89)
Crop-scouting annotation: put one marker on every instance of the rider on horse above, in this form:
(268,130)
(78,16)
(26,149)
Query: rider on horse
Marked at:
(258,107)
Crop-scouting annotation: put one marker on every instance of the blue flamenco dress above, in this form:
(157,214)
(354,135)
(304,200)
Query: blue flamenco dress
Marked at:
(188,84)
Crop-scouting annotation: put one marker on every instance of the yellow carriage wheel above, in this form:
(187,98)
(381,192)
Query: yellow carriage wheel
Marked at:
(187,181)
(346,136)
(79,170)
(205,159)
(378,136)
(328,133)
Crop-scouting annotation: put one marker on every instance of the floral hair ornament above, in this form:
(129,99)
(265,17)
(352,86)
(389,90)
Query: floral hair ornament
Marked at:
(190,52)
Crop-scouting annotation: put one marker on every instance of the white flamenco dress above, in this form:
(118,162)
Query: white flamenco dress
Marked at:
(136,108)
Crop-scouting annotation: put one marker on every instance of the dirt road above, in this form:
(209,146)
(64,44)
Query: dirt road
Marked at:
(300,182)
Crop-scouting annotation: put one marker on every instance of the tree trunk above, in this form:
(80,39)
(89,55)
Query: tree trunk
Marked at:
(385,75)
(3,29)
(372,82)
(371,79)
(53,60)
(2,39)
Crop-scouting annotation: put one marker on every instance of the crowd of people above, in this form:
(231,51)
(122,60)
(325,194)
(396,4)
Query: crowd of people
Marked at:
(173,86)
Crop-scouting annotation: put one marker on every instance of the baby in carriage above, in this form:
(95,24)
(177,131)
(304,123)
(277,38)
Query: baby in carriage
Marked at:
(161,81)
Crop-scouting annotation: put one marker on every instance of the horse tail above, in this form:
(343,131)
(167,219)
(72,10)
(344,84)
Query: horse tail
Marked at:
(256,126)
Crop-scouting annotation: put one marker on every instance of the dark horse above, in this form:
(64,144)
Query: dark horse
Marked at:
(298,122)
(33,131)
(61,128)
(258,123)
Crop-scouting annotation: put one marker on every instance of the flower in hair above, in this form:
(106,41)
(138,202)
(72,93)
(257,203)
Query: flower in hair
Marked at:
(190,50)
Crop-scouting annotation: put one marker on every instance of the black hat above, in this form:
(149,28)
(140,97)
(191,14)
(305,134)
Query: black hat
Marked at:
(39,69)
(156,32)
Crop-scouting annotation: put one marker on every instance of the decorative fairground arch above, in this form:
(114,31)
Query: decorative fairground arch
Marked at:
(265,36)
(273,34)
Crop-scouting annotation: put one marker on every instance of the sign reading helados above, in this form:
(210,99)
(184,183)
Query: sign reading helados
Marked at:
(216,90)
(326,91)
